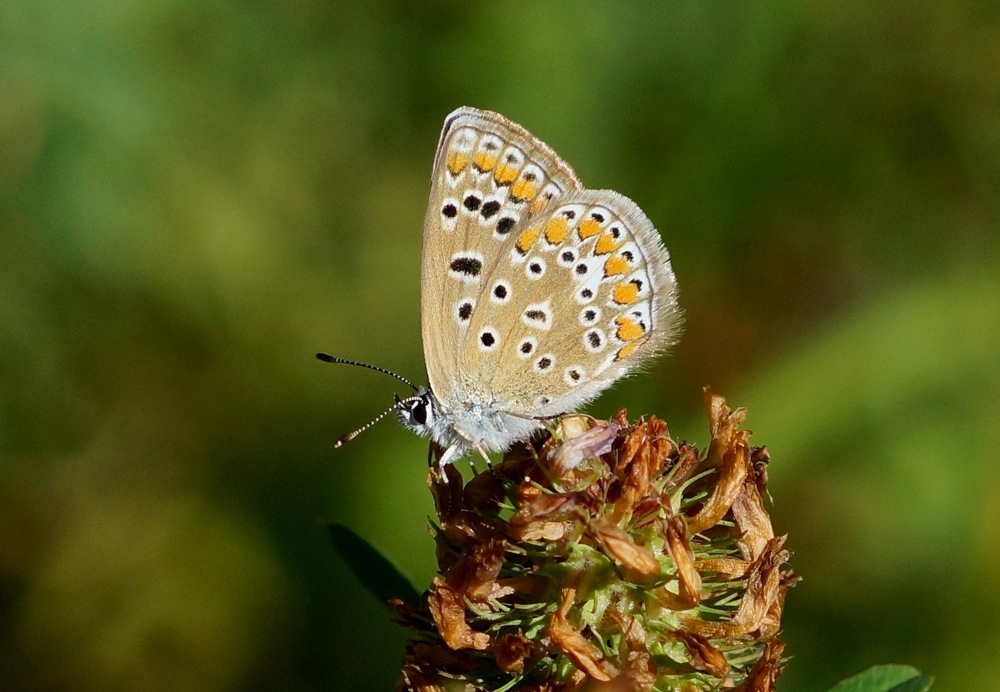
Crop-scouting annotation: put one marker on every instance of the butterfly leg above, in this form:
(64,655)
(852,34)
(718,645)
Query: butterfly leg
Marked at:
(450,455)
(484,455)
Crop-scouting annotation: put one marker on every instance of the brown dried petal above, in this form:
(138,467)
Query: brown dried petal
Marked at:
(772,621)
(733,471)
(584,655)
(763,676)
(474,576)
(685,462)
(458,525)
(679,548)
(448,610)
(628,625)
(731,567)
(529,588)
(763,582)
(724,422)
(543,515)
(704,656)
(416,680)
(483,493)
(643,456)
(640,674)
(409,615)
(622,418)
(545,531)
(435,656)
(510,651)
(764,588)
(752,520)
(519,462)
(759,459)
(631,445)
(637,563)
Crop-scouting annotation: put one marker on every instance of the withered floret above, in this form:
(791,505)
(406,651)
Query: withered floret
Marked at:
(605,555)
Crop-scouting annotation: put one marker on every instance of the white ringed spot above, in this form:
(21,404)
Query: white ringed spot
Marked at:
(526,347)
(574,375)
(501,293)
(594,340)
(545,364)
(535,268)
(488,339)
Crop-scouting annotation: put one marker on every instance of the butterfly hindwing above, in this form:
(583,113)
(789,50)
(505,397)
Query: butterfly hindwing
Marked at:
(588,295)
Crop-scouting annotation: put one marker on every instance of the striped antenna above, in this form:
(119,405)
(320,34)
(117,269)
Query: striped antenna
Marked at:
(354,433)
(326,358)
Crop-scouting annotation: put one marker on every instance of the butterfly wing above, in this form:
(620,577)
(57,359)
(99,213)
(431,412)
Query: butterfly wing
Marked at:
(490,176)
(537,293)
(590,295)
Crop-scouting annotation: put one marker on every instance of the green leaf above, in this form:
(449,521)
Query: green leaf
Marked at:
(375,572)
(887,678)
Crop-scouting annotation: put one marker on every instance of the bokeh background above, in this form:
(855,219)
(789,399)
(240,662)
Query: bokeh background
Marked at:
(195,197)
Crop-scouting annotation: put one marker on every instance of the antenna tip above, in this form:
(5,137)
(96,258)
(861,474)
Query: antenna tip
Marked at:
(325,357)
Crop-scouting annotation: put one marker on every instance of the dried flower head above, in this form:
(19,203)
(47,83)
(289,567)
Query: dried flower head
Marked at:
(607,557)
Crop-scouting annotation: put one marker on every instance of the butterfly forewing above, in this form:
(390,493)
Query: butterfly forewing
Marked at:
(490,177)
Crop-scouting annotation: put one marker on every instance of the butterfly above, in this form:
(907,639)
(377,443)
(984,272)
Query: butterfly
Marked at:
(537,294)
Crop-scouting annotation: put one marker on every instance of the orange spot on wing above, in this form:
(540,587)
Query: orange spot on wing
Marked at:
(505,174)
(523,189)
(556,230)
(626,350)
(457,162)
(526,240)
(587,228)
(628,329)
(484,162)
(605,244)
(615,265)
(625,294)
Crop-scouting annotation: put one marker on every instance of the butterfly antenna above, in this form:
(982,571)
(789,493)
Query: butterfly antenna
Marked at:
(326,358)
(354,433)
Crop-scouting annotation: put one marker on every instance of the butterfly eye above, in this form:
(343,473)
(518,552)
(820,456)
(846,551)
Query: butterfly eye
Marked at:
(419,413)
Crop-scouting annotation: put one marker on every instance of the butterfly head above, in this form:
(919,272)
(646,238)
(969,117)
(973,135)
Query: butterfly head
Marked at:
(416,412)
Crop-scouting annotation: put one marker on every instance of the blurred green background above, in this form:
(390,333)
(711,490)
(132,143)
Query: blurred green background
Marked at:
(195,197)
